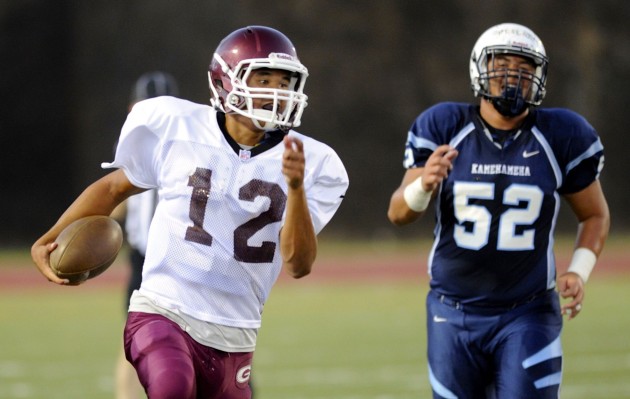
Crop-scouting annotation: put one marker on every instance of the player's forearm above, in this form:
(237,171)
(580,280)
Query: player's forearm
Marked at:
(410,200)
(399,212)
(592,232)
(298,241)
(100,198)
(95,200)
(591,210)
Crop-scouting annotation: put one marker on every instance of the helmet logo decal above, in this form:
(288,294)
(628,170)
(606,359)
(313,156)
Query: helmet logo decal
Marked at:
(283,56)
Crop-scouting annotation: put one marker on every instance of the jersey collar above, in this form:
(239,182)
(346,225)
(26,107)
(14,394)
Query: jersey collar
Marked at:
(271,139)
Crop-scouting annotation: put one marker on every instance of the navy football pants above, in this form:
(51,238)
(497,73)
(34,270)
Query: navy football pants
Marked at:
(480,353)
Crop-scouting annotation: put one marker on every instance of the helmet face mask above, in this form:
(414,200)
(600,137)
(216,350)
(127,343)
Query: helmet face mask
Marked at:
(235,60)
(520,87)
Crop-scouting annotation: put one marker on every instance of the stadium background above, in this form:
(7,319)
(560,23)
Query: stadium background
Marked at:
(67,68)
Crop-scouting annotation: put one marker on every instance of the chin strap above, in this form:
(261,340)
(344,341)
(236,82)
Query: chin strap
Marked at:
(262,123)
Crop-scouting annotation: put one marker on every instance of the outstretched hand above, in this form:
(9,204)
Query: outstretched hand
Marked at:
(293,161)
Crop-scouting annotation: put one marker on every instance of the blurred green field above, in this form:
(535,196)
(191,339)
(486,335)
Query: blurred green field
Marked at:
(320,339)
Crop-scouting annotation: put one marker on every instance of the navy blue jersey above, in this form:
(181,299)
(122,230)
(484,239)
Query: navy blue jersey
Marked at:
(497,210)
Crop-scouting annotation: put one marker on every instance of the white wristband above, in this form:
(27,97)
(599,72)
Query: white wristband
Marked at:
(583,262)
(416,197)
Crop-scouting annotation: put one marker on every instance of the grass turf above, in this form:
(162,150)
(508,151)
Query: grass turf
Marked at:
(318,340)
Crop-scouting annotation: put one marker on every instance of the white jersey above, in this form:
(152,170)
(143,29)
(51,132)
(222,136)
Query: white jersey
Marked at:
(213,250)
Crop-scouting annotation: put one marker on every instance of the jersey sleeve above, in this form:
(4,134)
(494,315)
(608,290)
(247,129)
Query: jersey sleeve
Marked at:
(328,190)
(431,129)
(325,181)
(584,155)
(137,146)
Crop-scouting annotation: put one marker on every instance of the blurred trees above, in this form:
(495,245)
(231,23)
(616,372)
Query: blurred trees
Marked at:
(68,66)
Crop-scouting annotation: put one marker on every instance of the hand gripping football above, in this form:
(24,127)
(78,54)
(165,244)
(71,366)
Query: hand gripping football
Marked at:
(86,248)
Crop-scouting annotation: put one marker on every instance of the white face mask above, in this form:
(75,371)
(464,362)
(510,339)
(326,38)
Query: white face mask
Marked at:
(240,98)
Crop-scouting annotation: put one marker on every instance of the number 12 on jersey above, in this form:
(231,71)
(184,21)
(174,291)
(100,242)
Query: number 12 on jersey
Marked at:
(201,182)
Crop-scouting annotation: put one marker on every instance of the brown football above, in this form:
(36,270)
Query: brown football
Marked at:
(86,248)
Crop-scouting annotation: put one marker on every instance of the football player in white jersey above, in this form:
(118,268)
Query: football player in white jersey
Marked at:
(496,171)
(241,196)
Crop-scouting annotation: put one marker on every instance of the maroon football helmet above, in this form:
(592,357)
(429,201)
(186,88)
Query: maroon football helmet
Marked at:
(237,56)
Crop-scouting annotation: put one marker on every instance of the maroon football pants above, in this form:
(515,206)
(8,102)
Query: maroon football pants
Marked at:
(172,365)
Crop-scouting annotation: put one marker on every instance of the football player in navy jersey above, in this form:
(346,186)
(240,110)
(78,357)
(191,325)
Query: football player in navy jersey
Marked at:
(496,173)
(241,197)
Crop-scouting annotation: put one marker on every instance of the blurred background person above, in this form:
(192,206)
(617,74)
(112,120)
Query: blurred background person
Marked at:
(136,213)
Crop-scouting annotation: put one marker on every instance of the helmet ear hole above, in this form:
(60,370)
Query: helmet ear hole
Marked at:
(233,99)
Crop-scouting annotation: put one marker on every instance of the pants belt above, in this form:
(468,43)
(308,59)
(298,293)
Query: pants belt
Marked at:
(487,308)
